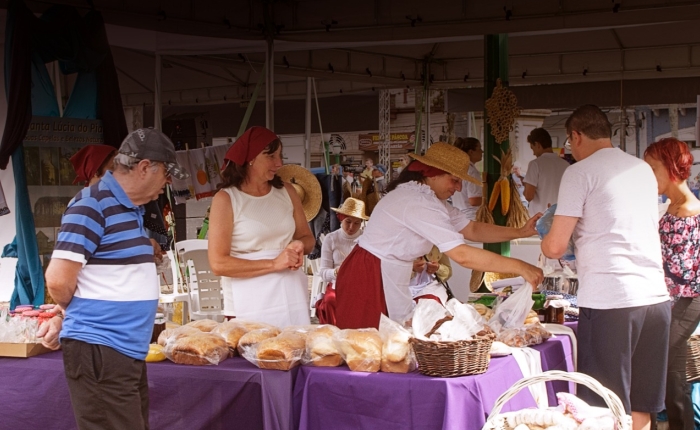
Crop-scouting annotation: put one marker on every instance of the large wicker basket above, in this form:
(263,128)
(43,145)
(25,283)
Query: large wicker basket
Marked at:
(448,359)
(692,361)
(622,421)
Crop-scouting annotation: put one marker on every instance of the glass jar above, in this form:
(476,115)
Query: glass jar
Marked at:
(553,315)
(158,327)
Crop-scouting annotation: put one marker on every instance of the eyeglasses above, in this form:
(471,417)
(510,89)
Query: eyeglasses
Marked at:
(165,169)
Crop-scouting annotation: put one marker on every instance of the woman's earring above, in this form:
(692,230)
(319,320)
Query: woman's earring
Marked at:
(250,164)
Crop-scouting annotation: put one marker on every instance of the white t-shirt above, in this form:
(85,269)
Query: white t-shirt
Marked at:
(618,250)
(404,226)
(460,200)
(545,172)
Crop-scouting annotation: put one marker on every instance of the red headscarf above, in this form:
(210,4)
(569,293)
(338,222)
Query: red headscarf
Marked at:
(424,169)
(249,145)
(88,161)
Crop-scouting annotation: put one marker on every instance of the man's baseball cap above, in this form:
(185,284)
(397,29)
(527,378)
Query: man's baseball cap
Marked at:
(151,144)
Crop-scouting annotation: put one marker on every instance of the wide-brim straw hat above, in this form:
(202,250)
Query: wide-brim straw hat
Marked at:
(449,158)
(306,185)
(352,207)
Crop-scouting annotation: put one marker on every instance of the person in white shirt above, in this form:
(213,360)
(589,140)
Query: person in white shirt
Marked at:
(469,199)
(608,203)
(405,224)
(543,173)
(335,248)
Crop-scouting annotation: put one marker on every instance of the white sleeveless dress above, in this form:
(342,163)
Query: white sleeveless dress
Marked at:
(262,227)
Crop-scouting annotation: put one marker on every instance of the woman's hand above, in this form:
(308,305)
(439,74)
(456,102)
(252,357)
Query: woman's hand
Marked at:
(529,228)
(532,274)
(288,259)
(418,265)
(432,267)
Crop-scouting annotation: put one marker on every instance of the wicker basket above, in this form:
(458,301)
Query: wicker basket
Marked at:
(622,421)
(692,361)
(448,359)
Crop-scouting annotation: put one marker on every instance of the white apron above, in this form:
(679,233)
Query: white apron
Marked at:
(279,298)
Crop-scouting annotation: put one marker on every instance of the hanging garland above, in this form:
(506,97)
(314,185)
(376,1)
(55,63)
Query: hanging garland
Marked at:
(501,111)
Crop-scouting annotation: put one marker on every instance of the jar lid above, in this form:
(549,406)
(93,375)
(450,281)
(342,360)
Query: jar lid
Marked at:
(160,315)
(555,297)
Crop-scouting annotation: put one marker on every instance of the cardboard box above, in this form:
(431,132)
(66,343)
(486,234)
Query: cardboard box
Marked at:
(22,349)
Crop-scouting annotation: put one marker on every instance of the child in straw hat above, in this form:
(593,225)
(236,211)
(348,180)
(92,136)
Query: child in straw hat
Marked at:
(405,224)
(336,247)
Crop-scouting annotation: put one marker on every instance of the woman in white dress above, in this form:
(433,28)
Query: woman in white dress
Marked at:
(258,235)
(336,246)
(469,198)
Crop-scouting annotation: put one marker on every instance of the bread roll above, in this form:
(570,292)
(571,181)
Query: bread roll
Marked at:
(321,349)
(203,325)
(362,349)
(256,336)
(198,349)
(281,352)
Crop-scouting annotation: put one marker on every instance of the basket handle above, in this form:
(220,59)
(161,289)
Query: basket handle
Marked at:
(622,420)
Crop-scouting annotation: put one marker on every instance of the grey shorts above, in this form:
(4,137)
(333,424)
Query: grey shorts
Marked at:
(626,350)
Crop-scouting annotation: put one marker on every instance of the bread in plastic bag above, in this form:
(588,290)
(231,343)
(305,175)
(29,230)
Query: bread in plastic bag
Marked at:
(301,330)
(321,350)
(543,226)
(171,334)
(197,349)
(254,337)
(511,312)
(281,352)
(397,354)
(361,348)
(205,325)
(520,337)
(234,329)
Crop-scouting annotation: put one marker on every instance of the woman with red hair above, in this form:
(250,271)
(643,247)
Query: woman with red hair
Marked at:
(679,228)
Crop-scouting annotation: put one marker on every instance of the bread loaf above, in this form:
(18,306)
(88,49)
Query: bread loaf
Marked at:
(175,333)
(234,329)
(396,353)
(205,325)
(256,336)
(362,349)
(198,349)
(403,366)
(321,349)
(281,353)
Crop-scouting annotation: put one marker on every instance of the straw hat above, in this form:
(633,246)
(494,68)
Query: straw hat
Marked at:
(306,185)
(352,207)
(449,158)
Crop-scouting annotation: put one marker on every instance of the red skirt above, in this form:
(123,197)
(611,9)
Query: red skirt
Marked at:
(359,291)
(325,308)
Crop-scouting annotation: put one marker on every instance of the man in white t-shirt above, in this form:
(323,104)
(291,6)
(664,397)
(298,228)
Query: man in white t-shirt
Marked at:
(608,203)
(543,173)
(469,199)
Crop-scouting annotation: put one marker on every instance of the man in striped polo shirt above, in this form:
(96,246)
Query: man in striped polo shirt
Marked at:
(102,273)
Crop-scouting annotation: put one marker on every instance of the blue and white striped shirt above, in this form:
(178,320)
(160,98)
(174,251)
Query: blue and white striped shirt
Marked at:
(117,290)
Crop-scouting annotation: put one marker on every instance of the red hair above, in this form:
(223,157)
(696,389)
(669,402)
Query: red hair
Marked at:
(341,217)
(674,155)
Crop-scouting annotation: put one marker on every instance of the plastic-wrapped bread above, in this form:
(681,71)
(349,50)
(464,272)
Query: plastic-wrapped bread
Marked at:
(234,329)
(197,349)
(168,334)
(361,349)
(397,354)
(254,337)
(321,350)
(205,325)
(281,352)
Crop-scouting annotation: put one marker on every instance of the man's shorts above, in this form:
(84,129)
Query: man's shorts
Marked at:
(626,350)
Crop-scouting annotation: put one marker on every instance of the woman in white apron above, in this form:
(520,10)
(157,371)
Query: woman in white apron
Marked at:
(258,235)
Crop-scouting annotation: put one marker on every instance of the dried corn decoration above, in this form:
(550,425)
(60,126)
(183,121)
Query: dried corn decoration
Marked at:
(502,110)
(518,214)
(502,187)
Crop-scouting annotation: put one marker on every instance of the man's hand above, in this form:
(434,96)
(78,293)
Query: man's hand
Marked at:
(529,228)
(157,251)
(49,332)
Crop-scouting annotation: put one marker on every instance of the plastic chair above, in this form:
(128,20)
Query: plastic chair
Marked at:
(206,296)
(317,285)
(180,291)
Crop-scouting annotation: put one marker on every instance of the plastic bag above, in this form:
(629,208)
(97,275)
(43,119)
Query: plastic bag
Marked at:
(281,352)
(397,354)
(254,337)
(543,226)
(425,315)
(197,349)
(520,337)
(172,334)
(321,350)
(361,349)
(511,313)
(234,329)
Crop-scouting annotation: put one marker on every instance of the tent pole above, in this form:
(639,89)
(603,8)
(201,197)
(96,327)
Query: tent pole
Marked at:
(270,84)
(157,113)
(307,125)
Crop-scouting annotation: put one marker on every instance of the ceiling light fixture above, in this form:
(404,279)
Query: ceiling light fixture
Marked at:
(330,67)
(413,20)
(227,23)
(369,72)
(509,12)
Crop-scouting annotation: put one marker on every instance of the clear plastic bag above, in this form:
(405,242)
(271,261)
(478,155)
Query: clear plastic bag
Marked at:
(361,349)
(196,349)
(321,350)
(543,226)
(397,354)
(512,312)
(281,352)
(234,329)
(519,337)
(254,337)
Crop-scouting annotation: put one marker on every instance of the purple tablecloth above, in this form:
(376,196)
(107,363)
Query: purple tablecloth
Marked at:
(573,325)
(234,394)
(336,398)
